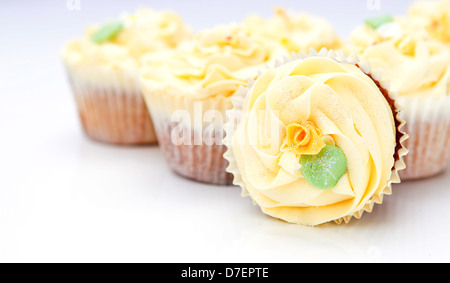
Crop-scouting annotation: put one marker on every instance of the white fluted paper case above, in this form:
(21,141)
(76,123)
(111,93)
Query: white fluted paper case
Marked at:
(110,105)
(187,142)
(428,126)
(366,203)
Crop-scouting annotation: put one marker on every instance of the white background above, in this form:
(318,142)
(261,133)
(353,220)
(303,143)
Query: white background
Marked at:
(64,198)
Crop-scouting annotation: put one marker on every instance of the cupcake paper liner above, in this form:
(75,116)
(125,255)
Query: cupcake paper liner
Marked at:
(428,125)
(195,155)
(111,107)
(236,113)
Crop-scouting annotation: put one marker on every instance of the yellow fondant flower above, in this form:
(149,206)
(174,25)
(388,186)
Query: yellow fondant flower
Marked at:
(303,139)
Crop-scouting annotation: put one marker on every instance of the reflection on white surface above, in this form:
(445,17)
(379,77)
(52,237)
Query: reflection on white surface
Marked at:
(103,203)
(66,198)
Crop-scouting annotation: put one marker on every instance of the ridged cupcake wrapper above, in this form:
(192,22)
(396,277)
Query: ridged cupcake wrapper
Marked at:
(428,126)
(236,113)
(111,107)
(194,156)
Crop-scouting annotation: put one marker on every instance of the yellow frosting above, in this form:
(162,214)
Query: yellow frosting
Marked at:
(294,31)
(364,36)
(435,15)
(415,64)
(144,31)
(335,102)
(215,63)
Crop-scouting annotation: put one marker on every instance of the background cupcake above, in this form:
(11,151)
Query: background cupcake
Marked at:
(103,66)
(293,30)
(435,17)
(188,91)
(418,68)
(317,140)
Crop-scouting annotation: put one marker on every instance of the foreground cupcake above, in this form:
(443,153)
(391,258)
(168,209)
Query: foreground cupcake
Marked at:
(294,31)
(188,92)
(103,70)
(317,140)
(435,16)
(418,68)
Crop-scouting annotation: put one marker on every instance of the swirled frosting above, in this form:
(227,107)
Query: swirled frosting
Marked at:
(435,16)
(144,31)
(415,64)
(294,31)
(334,101)
(215,63)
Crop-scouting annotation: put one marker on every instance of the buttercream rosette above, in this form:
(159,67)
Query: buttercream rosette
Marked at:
(418,67)
(293,30)
(103,67)
(324,107)
(189,89)
(434,16)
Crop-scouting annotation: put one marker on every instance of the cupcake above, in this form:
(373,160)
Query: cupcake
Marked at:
(418,68)
(435,16)
(103,69)
(294,31)
(315,140)
(188,91)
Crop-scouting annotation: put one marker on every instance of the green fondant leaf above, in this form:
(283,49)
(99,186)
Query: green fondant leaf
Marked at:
(324,170)
(107,32)
(379,21)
